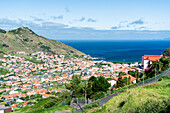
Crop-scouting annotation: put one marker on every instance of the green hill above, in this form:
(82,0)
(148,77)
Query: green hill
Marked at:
(152,98)
(167,52)
(24,39)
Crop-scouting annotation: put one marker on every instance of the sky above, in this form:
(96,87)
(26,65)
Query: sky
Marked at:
(89,19)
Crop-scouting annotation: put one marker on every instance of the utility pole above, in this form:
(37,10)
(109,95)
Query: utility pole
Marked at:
(85,98)
(155,73)
(143,76)
(127,83)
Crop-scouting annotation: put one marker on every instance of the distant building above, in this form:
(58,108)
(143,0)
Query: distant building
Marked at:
(147,60)
(21,53)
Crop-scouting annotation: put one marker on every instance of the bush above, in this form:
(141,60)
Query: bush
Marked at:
(45,47)
(164,77)
(5,45)
(49,104)
(92,105)
(100,95)
(26,39)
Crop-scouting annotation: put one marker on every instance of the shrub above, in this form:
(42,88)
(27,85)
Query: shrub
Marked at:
(49,104)
(122,103)
(26,39)
(40,43)
(100,94)
(164,77)
(92,105)
(5,45)
(45,47)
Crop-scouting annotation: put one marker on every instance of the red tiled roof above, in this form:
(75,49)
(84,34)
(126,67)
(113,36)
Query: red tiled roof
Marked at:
(152,57)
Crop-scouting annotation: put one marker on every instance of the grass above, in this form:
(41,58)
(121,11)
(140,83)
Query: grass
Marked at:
(39,107)
(15,40)
(150,98)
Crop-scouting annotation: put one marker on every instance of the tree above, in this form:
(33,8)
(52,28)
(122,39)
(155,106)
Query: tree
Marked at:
(120,82)
(121,74)
(76,86)
(91,80)
(89,87)
(100,84)
(167,62)
(160,65)
(126,80)
(137,74)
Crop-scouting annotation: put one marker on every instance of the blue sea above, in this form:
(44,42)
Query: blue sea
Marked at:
(124,51)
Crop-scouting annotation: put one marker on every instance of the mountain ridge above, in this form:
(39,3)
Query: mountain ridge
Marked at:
(24,39)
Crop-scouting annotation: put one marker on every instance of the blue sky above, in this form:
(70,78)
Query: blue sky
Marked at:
(89,19)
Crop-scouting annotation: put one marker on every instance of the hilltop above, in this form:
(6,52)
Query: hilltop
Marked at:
(24,39)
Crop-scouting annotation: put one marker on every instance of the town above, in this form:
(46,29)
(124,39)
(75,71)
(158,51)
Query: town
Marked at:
(24,78)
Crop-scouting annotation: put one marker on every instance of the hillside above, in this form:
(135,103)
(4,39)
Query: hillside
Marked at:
(46,105)
(167,52)
(24,39)
(152,98)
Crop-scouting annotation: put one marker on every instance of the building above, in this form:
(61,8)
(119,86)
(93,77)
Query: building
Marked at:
(112,82)
(5,110)
(21,52)
(147,60)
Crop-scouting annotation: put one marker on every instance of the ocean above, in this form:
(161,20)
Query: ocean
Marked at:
(123,51)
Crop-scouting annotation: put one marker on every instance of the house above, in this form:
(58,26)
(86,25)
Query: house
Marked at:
(112,82)
(147,60)
(24,104)
(21,52)
(132,79)
(14,106)
(47,95)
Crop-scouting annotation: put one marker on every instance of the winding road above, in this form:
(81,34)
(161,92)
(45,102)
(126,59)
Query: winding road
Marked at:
(106,99)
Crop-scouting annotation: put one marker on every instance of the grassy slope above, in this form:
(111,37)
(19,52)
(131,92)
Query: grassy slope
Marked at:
(15,40)
(149,98)
(39,108)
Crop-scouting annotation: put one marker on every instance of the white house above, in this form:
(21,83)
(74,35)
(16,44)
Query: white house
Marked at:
(147,59)
(21,52)
(112,82)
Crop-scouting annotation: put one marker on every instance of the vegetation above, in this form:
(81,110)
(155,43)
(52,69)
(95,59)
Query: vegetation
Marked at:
(157,67)
(2,31)
(3,71)
(95,88)
(91,105)
(46,105)
(167,52)
(77,87)
(147,99)
(24,39)
(100,84)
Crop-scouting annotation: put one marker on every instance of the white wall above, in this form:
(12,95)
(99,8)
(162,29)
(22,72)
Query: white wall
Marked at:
(146,62)
(112,82)
(2,111)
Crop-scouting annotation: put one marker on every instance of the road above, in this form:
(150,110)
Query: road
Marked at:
(106,99)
